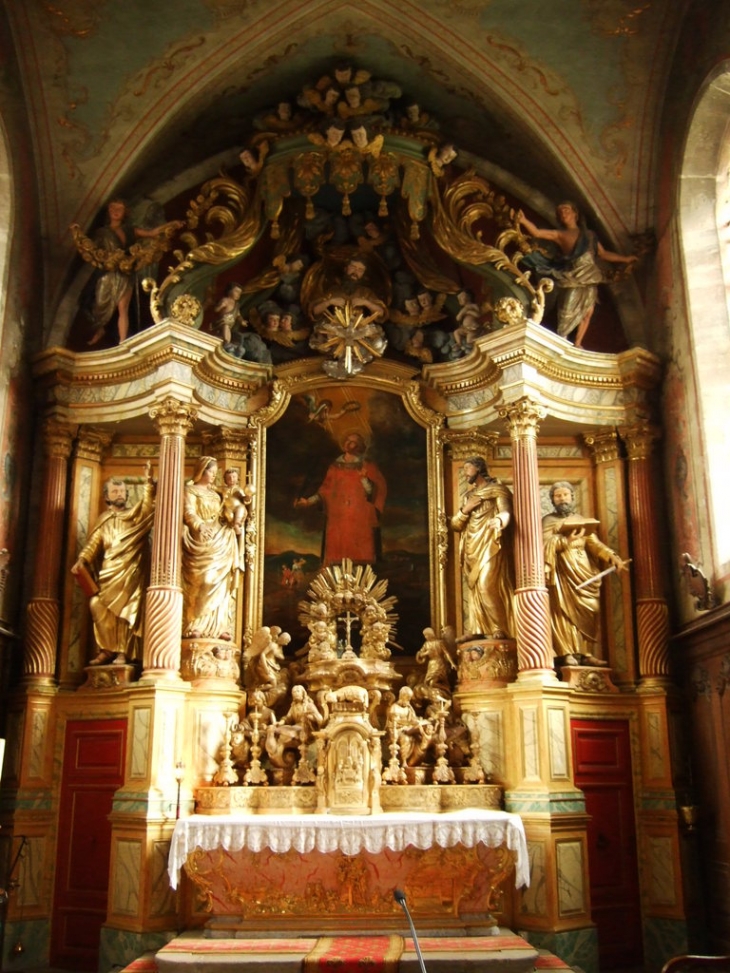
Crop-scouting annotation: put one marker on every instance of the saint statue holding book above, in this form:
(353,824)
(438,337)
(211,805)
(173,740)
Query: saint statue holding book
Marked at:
(574,560)
(113,567)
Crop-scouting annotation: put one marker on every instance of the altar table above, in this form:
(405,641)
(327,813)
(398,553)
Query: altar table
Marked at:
(297,871)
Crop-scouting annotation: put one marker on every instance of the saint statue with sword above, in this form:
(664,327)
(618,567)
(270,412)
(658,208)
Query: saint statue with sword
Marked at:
(575,562)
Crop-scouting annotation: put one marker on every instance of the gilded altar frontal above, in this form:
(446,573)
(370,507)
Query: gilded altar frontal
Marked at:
(368,482)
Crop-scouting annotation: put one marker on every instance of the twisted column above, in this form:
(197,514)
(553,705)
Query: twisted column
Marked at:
(44,608)
(532,611)
(164,599)
(652,613)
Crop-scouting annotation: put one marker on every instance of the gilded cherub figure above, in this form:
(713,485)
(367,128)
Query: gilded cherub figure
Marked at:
(253,158)
(439,157)
(469,320)
(227,313)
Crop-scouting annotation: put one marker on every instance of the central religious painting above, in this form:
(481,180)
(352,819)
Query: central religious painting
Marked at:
(347,478)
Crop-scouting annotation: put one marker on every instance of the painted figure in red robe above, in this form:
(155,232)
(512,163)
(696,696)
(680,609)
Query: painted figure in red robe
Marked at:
(353,496)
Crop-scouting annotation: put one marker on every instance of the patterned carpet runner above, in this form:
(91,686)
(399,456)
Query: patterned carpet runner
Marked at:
(194,953)
(355,954)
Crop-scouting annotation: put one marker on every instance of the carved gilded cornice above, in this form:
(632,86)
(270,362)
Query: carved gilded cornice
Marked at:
(639,367)
(418,409)
(478,371)
(79,371)
(552,367)
(210,370)
(574,385)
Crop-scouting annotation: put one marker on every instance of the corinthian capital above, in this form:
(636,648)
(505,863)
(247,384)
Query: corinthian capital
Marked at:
(233,443)
(172,417)
(640,438)
(604,445)
(523,418)
(58,438)
(91,443)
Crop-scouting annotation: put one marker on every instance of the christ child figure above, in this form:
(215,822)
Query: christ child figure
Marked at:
(469,320)
(235,501)
(227,313)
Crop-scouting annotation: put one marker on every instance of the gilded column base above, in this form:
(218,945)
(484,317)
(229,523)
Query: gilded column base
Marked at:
(108,677)
(588,679)
(210,662)
(487,663)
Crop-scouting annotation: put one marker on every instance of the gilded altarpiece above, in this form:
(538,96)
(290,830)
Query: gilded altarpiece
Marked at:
(312,240)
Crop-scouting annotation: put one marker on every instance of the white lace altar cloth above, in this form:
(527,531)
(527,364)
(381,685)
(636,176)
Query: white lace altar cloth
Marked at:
(350,834)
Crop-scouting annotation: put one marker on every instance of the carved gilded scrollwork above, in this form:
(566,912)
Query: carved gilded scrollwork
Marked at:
(487,661)
(442,538)
(279,396)
(186,309)
(224,203)
(417,408)
(441,882)
(464,203)
(123,261)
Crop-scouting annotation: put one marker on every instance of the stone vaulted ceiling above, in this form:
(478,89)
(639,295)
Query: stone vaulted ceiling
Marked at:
(144,98)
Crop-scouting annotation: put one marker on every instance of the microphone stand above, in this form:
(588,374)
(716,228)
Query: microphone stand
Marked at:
(400,898)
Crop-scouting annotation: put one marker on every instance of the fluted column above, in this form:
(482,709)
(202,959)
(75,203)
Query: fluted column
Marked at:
(164,600)
(532,611)
(652,614)
(43,612)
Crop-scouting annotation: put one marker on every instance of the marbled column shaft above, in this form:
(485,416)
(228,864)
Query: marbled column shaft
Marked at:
(164,599)
(652,614)
(532,611)
(43,612)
